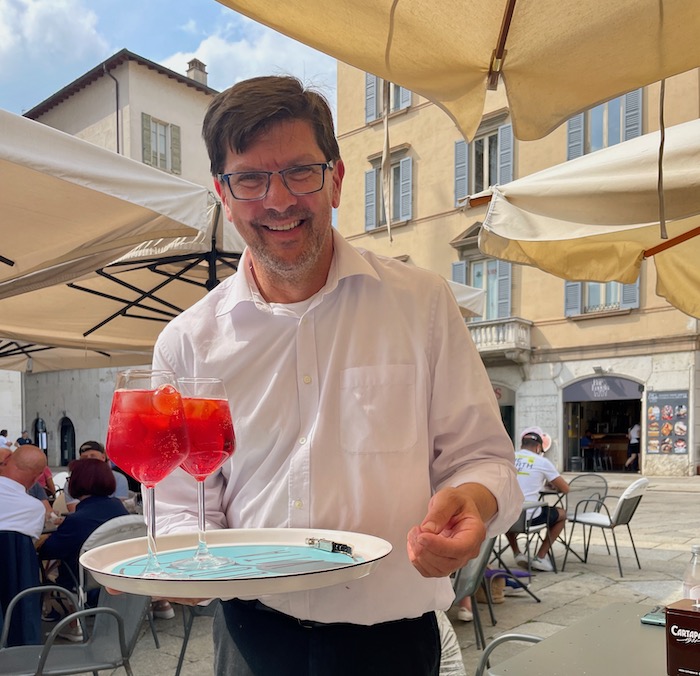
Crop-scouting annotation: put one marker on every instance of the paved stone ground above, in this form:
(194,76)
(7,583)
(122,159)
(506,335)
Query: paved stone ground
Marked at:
(664,527)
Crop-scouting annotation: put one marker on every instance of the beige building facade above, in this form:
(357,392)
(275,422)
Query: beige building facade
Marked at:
(568,357)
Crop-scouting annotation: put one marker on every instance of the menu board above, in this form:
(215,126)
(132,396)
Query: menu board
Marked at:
(667,422)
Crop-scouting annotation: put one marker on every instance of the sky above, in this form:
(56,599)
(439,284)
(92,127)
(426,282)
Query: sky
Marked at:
(46,44)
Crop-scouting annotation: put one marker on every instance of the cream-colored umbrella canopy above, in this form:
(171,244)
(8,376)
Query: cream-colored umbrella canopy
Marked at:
(121,307)
(558,58)
(596,218)
(68,206)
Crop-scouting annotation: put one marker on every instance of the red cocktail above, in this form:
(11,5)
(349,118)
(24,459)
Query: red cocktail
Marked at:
(147,437)
(212,442)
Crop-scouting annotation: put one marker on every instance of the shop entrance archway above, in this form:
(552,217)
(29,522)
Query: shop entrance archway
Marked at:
(67,436)
(605,407)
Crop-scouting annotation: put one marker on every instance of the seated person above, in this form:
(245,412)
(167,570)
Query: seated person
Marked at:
(534,473)
(95,450)
(18,473)
(46,482)
(92,481)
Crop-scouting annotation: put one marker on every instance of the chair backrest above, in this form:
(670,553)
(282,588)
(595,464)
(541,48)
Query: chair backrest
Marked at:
(582,487)
(469,577)
(60,479)
(628,502)
(59,504)
(115,530)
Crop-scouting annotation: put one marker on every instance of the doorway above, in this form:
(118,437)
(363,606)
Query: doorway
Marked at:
(67,436)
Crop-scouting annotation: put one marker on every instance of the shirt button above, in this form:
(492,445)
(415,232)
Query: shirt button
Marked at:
(307,379)
(302,440)
(298,504)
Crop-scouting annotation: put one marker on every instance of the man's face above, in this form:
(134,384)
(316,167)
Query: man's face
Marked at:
(93,455)
(289,236)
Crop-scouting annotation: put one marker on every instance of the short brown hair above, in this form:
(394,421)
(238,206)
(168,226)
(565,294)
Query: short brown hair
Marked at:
(239,114)
(89,476)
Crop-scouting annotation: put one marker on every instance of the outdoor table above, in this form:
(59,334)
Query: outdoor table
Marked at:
(611,641)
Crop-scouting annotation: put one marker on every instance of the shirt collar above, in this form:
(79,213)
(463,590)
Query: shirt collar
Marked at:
(240,287)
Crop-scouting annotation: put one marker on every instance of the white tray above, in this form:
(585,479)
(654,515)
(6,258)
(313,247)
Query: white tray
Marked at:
(270,561)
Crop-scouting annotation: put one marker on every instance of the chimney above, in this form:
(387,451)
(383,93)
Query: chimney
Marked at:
(197,71)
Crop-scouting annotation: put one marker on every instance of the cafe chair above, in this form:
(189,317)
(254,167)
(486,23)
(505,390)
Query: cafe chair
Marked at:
(20,570)
(533,535)
(60,479)
(118,529)
(110,644)
(504,638)
(599,517)
(586,492)
(467,581)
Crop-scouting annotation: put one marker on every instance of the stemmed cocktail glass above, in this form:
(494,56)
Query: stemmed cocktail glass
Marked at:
(147,437)
(212,443)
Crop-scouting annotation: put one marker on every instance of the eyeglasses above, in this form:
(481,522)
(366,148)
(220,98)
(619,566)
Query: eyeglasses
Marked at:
(304,179)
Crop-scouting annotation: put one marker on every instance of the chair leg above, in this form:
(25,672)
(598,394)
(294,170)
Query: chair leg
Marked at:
(634,549)
(478,629)
(486,586)
(152,625)
(187,620)
(617,552)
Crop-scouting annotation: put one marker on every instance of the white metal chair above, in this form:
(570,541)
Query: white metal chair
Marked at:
(60,479)
(504,638)
(595,513)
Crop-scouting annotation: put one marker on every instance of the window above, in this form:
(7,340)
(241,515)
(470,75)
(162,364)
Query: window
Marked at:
(399,97)
(592,297)
(160,144)
(605,125)
(494,277)
(486,161)
(400,191)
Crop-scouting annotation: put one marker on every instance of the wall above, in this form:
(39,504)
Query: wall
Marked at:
(11,404)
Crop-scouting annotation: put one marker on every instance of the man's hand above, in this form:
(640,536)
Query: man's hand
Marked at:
(452,531)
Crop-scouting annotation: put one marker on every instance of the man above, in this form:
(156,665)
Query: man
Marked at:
(18,472)
(534,472)
(96,451)
(4,441)
(24,439)
(358,399)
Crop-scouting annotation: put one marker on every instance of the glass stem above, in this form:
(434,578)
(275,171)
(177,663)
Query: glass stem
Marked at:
(152,565)
(202,549)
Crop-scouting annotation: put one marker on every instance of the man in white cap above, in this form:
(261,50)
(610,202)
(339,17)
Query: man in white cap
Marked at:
(534,472)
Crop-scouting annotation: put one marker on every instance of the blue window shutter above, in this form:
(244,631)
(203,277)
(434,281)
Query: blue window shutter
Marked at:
(370,97)
(573,295)
(629,296)
(459,272)
(371,199)
(503,270)
(505,154)
(633,114)
(574,137)
(404,98)
(406,189)
(461,170)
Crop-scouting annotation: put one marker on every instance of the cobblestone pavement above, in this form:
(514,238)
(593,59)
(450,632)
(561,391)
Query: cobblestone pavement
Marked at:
(664,527)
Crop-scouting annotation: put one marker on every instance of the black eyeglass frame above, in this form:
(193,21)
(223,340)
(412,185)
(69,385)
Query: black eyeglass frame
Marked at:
(226,178)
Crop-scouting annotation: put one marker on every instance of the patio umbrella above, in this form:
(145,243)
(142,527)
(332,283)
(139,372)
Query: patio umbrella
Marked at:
(122,307)
(555,58)
(69,207)
(596,218)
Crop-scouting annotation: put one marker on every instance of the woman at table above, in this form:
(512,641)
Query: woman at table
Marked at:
(92,482)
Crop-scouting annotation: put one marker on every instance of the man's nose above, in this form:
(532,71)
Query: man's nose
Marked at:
(278,195)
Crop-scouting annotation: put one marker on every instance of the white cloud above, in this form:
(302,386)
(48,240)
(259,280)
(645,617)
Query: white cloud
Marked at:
(243,49)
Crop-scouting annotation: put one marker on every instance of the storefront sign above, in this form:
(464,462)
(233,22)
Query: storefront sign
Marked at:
(667,422)
(603,388)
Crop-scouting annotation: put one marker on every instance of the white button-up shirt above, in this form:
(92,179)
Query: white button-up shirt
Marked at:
(20,512)
(350,410)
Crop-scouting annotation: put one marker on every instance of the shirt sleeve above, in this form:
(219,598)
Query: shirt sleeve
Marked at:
(470,443)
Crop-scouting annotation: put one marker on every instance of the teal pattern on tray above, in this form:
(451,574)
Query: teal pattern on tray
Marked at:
(252,561)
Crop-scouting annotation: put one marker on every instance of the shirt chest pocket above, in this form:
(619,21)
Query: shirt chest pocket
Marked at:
(378,409)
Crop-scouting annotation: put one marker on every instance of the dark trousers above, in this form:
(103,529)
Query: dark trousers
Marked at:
(251,639)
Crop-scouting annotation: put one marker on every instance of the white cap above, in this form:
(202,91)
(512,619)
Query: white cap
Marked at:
(546,439)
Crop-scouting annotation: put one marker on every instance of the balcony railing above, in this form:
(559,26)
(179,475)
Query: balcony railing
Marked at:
(507,339)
